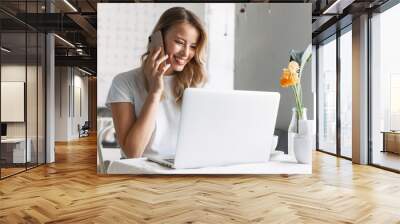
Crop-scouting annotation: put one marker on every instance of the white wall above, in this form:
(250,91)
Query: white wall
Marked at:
(16,73)
(79,117)
(83,83)
(262,45)
(61,103)
(220,23)
(68,81)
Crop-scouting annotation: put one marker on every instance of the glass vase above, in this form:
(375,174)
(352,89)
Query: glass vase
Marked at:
(294,128)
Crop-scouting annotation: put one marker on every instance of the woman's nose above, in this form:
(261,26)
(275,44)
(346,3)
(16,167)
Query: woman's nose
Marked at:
(185,51)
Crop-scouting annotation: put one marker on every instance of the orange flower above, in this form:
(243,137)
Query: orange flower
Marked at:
(289,79)
(293,67)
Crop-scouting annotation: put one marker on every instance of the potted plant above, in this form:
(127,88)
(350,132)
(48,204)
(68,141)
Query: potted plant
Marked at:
(291,78)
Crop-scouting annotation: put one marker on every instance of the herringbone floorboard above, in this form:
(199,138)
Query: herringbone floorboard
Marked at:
(70,191)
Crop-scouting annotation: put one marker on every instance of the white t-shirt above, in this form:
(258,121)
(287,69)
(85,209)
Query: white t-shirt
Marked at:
(130,87)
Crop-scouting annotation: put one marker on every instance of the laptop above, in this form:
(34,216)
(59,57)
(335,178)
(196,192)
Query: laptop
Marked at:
(219,128)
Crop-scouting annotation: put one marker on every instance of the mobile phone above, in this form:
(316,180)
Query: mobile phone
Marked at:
(155,41)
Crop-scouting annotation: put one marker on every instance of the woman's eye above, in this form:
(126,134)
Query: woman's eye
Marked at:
(193,47)
(179,42)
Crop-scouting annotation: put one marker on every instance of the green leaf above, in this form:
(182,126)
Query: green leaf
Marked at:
(301,57)
(305,56)
(295,56)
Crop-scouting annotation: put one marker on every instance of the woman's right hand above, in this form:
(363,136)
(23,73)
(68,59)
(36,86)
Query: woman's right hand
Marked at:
(154,70)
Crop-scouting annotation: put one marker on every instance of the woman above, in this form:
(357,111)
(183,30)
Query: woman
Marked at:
(145,102)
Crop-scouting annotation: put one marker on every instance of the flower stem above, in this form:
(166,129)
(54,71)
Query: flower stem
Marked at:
(299,104)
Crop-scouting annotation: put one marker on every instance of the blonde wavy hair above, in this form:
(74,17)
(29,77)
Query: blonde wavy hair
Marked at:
(194,73)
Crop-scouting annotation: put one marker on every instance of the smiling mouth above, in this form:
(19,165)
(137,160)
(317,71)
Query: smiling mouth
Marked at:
(180,61)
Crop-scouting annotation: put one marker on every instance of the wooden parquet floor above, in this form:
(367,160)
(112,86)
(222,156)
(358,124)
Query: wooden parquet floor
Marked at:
(70,191)
(10,171)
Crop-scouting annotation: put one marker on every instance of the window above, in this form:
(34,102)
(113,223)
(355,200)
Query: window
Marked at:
(346,93)
(385,88)
(327,96)
(22,75)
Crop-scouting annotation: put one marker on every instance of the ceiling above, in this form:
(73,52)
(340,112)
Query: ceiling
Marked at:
(76,22)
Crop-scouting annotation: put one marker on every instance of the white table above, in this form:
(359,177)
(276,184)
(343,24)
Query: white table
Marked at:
(18,149)
(279,164)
